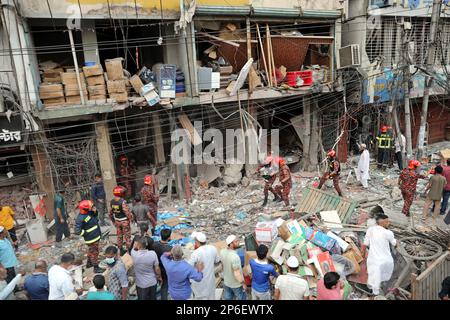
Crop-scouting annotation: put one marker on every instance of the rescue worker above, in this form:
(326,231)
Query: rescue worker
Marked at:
(408,183)
(333,172)
(269,179)
(384,146)
(124,176)
(87,225)
(284,188)
(150,198)
(121,217)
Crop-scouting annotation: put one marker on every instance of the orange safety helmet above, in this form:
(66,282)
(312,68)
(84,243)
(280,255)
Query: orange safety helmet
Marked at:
(118,191)
(384,129)
(85,206)
(331,154)
(148,179)
(413,164)
(281,161)
(122,158)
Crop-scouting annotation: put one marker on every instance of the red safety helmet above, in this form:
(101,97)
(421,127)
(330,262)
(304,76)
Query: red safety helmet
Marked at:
(384,129)
(122,158)
(413,164)
(281,161)
(85,206)
(148,179)
(118,191)
(331,154)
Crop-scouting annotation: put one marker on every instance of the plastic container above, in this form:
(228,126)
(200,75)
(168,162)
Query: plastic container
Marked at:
(90,63)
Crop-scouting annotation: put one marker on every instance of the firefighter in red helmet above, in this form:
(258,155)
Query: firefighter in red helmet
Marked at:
(87,226)
(150,198)
(407,182)
(121,217)
(124,178)
(333,172)
(284,188)
(385,143)
(268,170)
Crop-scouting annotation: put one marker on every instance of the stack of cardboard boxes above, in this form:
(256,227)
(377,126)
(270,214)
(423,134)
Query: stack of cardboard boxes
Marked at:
(117,82)
(95,82)
(71,89)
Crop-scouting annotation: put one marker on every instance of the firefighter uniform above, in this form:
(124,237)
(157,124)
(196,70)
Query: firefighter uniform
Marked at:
(86,225)
(408,183)
(284,188)
(121,217)
(125,179)
(384,145)
(150,199)
(333,172)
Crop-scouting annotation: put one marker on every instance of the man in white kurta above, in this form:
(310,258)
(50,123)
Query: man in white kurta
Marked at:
(380,263)
(206,254)
(362,172)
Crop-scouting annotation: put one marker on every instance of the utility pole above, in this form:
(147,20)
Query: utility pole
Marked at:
(435,15)
(406,77)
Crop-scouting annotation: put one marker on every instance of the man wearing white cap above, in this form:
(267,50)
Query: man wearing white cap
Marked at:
(233,277)
(291,286)
(206,254)
(362,172)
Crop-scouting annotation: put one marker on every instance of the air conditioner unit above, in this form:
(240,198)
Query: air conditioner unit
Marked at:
(349,56)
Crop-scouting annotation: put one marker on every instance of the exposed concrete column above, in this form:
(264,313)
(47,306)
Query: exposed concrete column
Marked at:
(43,174)
(106,158)
(89,40)
(158,146)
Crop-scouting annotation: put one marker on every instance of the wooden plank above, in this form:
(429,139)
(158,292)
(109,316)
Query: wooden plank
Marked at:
(187,124)
(231,43)
(435,263)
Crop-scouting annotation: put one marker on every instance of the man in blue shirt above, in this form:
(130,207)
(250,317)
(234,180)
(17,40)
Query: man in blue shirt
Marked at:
(36,284)
(101,293)
(98,195)
(7,255)
(60,216)
(261,272)
(179,272)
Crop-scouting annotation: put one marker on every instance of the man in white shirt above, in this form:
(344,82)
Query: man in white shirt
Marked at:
(400,150)
(362,172)
(380,263)
(291,286)
(206,254)
(60,280)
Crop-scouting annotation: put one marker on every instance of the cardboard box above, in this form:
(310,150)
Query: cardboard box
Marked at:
(98,97)
(70,78)
(136,82)
(51,91)
(95,70)
(97,90)
(266,231)
(116,86)
(114,69)
(75,99)
(350,254)
(119,97)
(358,256)
(73,90)
(172,222)
(152,98)
(54,102)
(96,80)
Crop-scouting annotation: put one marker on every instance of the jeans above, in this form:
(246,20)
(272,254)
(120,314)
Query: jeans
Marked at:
(101,210)
(146,293)
(61,228)
(232,293)
(164,289)
(261,295)
(445,197)
(383,158)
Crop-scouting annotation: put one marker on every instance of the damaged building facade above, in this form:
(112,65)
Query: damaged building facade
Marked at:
(145,70)
(386,44)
